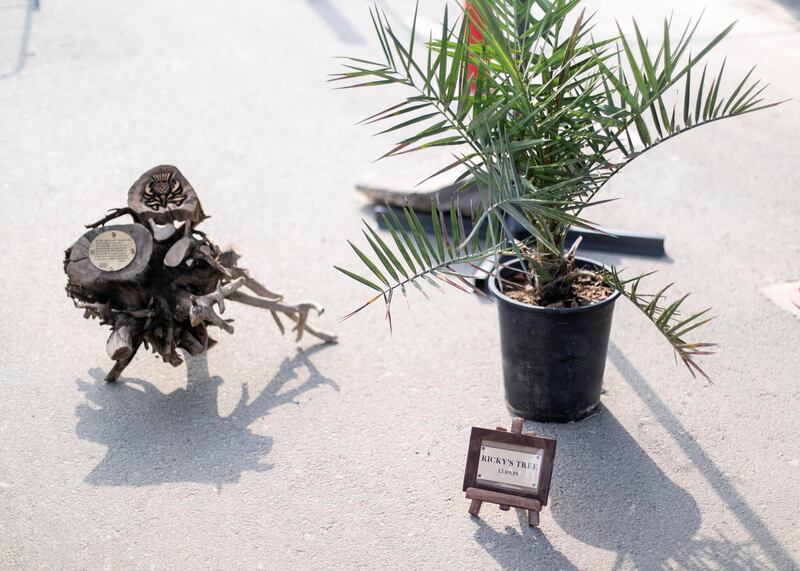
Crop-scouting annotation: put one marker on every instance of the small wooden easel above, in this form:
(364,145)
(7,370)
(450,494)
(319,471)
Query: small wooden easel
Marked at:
(506,501)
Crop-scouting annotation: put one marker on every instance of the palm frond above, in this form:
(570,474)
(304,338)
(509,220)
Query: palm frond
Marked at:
(415,259)
(661,102)
(667,317)
(434,85)
(541,115)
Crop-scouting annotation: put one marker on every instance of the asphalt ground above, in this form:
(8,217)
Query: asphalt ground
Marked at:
(269,453)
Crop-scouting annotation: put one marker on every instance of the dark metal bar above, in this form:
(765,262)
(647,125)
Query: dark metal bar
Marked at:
(615,241)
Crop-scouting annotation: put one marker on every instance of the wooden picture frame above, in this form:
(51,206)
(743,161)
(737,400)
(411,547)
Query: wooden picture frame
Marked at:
(521,468)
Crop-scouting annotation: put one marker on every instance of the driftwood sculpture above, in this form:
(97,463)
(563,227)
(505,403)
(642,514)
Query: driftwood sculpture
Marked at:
(160,282)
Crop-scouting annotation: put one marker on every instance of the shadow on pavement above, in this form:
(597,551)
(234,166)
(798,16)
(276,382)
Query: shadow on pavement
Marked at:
(747,518)
(155,438)
(608,493)
(337,23)
(792,6)
(520,547)
(28,6)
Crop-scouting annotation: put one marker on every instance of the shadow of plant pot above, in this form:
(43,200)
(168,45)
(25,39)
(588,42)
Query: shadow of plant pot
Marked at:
(609,493)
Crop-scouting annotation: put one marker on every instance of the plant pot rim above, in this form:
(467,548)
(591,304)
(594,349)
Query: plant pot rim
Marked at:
(493,287)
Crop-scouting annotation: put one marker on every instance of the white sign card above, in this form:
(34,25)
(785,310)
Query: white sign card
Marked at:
(111,251)
(512,466)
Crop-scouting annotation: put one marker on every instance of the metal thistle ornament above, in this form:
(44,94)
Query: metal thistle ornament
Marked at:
(162,190)
(160,282)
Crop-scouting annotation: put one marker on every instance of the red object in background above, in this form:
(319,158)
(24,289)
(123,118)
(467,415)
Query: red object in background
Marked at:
(475,37)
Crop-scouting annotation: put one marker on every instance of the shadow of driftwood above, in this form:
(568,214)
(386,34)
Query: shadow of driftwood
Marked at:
(153,437)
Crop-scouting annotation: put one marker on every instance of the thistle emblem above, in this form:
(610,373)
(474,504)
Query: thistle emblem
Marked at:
(162,190)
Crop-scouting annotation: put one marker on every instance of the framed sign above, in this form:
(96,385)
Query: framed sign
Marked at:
(509,468)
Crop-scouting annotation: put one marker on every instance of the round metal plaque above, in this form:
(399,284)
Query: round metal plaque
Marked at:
(111,251)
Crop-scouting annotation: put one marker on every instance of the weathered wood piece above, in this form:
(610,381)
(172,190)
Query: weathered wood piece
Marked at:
(464,197)
(161,285)
(83,272)
(178,252)
(164,196)
(121,342)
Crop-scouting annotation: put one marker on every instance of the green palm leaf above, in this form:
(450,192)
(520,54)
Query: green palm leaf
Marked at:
(541,116)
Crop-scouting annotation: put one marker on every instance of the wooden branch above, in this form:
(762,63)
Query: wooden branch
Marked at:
(202,310)
(100,311)
(162,232)
(114,213)
(120,365)
(122,339)
(256,287)
(297,313)
(178,252)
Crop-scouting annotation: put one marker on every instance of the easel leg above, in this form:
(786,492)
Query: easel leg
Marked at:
(533,518)
(475,507)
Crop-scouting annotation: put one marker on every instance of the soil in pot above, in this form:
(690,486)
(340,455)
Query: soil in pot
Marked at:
(584,290)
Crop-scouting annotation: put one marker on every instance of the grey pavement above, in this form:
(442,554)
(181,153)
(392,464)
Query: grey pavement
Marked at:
(272,455)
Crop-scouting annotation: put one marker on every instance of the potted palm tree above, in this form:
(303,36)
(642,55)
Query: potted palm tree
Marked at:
(541,115)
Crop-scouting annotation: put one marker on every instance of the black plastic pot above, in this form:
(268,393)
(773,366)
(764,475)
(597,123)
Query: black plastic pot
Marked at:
(553,358)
